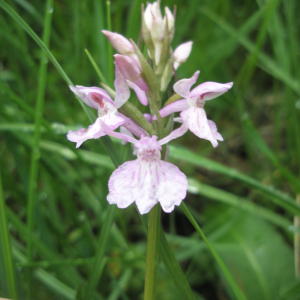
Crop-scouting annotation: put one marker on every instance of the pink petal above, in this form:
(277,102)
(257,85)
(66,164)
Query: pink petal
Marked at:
(175,133)
(78,136)
(122,89)
(125,131)
(112,121)
(183,86)
(132,126)
(132,182)
(172,186)
(92,96)
(173,107)
(115,134)
(198,123)
(146,183)
(147,143)
(148,117)
(182,53)
(94,131)
(139,92)
(141,84)
(119,42)
(214,130)
(210,90)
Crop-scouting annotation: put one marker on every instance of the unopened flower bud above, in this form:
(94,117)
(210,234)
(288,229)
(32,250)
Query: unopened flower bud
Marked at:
(170,20)
(119,42)
(130,70)
(156,27)
(182,53)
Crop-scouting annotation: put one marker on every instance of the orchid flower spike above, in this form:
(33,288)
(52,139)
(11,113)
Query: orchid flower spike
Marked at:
(107,111)
(148,179)
(191,107)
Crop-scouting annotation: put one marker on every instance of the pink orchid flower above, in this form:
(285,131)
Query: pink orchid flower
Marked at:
(191,107)
(148,179)
(107,111)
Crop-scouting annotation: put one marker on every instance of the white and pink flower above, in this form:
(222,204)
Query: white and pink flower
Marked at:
(148,179)
(107,111)
(192,106)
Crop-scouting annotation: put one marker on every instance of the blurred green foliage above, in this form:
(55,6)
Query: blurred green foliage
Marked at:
(253,176)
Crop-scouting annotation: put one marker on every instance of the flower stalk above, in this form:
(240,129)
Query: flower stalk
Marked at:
(152,255)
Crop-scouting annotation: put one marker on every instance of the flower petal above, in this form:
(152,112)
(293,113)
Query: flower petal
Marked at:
(112,121)
(176,106)
(198,124)
(146,183)
(132,126)
(122,89)
(172,186)
(131,182)
(78,136)
(92,96)
(214,130)
(175,133)
(139,93)
(210,90)
(119,42)
(183,86)
(181,53)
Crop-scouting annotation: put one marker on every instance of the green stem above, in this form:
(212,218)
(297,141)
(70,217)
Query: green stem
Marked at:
(9,269)
(35,154)
(152,252)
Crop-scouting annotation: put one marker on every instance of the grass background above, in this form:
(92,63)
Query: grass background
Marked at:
(252,177)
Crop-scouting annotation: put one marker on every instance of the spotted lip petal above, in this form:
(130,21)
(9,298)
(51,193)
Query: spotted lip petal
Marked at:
(147,182)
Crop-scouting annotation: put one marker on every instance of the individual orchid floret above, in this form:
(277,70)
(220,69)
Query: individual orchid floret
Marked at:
(108,114)
(181,54)
(148,179)
(191,108)
(130,70)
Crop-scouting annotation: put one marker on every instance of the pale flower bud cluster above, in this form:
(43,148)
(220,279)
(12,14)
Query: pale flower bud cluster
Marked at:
(156,28)
(149,179)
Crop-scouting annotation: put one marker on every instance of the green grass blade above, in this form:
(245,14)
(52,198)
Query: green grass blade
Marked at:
(35,153)
(180,153)
(256,140)
(199,188)
(238,293)
(174,270)
(48,280)
(99,257)
(27,28)
(98,71)
(6,249)
(266,63)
